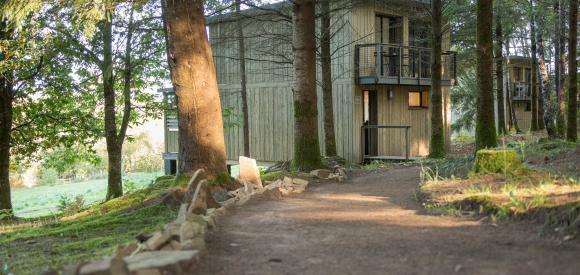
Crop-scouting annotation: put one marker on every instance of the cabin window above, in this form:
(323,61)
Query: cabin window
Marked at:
(517,74)
(418,99)
(389,29)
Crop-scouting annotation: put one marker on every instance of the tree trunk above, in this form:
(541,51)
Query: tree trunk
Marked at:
(545,91)
(326,67)
(115,187)
(485,135)
(560,55)
(6,101)
(201,134)
(534,124)
(306,146)
(437,146)
(499,77)
(572,131)
(243,81)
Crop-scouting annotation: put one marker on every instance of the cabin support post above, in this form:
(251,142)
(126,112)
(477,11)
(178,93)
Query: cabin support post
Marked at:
(379,59)
(407,143)
(362,144)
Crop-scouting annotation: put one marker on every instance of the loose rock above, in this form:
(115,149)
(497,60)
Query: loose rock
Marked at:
(321,173)
(171,262)
(199,202)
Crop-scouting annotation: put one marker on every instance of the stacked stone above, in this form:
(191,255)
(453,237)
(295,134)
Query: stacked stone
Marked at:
(176,248)
(173,250)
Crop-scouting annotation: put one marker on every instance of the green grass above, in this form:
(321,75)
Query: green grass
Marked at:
(43,200)
(30,246)
(30,250)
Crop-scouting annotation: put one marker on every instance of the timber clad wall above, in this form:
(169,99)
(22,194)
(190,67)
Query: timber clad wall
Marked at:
(393,112)
(269,75)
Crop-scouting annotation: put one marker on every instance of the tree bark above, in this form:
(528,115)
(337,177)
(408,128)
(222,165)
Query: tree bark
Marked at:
(545,91)
(114,181)
(6,103)
(201,134)
(437,146)
(572,130)
(534,124)
(326,67)
(485,135)
(306,146)
(499,77)
(560,55)
(243,81)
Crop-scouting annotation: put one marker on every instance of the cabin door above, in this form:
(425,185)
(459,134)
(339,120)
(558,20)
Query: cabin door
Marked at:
(370,117)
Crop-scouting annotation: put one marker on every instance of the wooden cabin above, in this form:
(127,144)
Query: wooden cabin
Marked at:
(518,78)
(381,80)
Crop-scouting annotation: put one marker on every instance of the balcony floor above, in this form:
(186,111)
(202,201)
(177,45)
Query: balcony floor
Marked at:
(388,80)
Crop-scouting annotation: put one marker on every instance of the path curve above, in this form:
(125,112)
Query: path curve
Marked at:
(372,225)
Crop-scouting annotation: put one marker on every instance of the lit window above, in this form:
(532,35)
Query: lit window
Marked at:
(414,99)
(419,99)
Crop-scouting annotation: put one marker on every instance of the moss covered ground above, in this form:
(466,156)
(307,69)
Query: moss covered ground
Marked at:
(496,183)
(30,246)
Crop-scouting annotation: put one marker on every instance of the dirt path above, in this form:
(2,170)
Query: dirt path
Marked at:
(372,225)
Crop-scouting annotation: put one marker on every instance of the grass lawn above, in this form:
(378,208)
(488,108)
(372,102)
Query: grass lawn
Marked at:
(33,245)
(43,200)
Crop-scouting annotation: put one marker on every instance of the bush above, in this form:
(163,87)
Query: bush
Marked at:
(48,176)
(69,206)
(496,161)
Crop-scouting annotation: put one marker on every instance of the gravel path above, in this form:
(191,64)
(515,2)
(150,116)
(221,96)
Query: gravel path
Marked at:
(372,225)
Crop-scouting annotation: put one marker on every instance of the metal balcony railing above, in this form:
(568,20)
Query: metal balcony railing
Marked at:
(522,91)
(397,64)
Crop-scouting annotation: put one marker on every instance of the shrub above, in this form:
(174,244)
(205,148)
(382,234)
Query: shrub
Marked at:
(497,161)
(48,176)
(69,206)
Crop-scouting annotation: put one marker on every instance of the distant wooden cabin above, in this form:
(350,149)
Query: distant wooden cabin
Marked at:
(381,80)
(518,78)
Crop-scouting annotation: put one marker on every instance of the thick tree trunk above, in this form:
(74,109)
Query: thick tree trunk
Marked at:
(326,67)
(437,145)
(243,81)
(201,134)
(572,131)
(115,187)
(534,124)
(485,135)
(499,77)
(6,101)
(545,91)
(560,49)
(306,147)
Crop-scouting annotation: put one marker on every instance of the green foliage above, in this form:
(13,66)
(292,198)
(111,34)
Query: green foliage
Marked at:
(70,206)
(47,176)
(497,161)
(67,160)
(231,119)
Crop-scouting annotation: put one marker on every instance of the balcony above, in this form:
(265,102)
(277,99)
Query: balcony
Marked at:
(400,65)
(521,91)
